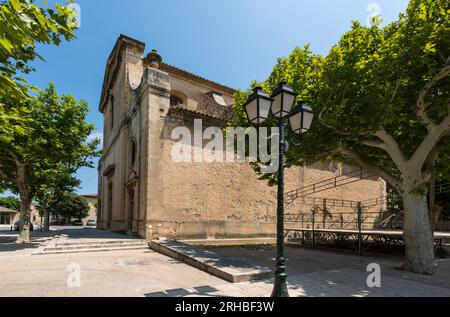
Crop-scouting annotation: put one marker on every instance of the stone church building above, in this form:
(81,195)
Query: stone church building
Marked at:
(144,192)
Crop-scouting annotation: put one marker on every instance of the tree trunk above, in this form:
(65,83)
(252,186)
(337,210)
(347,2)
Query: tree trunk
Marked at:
(25,209)
(25,204)
(419,242)
(46,218)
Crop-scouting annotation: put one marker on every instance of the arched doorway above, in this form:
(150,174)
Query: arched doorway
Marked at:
(130,208)
(131,214)
(110,207)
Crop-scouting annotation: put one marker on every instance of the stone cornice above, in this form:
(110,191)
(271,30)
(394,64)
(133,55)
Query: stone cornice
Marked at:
(156,80)
(113,65)
(187,75)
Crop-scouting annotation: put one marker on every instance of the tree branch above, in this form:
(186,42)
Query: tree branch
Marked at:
(421,106)
(431,159)
(429,143)
(335,129)
(4,176)
(375,144)
(14,157)
(392,148)
(391,179)
(329,126)
(388,143)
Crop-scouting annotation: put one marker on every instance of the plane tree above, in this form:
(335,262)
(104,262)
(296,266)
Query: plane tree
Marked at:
(56,134)
(53,188)
(23,25)
(10,202)
(69,205)
(382,99)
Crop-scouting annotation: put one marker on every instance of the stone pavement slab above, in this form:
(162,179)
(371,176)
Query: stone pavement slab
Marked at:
(315,273)
(231,269)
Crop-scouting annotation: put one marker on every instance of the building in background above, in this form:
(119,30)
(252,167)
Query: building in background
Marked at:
(92,201)
(10,217)
(143,192)
(7,216)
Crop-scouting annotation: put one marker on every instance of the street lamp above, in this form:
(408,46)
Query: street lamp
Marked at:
(281,104)
(258,106)
(301,118)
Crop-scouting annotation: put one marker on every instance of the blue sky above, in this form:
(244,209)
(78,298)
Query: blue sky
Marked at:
(228,41)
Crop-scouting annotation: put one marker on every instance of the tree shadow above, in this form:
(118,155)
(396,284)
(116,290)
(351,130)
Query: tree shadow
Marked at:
(201,291)
(319,273)
(37,239)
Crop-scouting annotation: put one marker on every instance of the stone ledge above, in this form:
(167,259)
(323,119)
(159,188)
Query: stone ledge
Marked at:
(230,242)
(228,269)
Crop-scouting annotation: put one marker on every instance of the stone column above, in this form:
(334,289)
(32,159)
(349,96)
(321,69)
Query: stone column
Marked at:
(155,102)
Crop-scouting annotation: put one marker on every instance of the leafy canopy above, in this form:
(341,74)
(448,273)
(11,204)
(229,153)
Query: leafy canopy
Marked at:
(56,141)
(23,24)
(10,202)
(70,205)
(375,79)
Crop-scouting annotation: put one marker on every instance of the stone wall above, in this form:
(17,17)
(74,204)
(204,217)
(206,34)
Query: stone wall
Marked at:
(154,196)
(226,200)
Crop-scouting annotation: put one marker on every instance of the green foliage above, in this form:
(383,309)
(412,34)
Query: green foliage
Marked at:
(54,185)
(10,202)
(70,205)
(371,81)
(95,203)
(55,143)
(23,24)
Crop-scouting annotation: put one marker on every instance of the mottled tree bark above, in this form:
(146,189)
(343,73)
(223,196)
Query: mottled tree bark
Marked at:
(419,241)
(46,227)
(25,207)
(25,204)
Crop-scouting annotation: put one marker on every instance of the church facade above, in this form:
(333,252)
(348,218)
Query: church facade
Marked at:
(144,192)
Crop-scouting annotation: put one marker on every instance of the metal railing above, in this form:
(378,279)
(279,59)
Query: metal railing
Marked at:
(339,220)
(331,183)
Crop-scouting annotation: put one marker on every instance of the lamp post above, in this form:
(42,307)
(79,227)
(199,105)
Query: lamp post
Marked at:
(281,105)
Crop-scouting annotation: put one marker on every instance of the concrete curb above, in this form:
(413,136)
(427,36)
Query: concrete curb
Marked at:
(230,270)
(231,242)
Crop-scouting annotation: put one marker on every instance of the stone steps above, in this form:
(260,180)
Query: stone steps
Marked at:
(91,246)
(102,242)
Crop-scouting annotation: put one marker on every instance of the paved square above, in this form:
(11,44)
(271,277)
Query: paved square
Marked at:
(146,273)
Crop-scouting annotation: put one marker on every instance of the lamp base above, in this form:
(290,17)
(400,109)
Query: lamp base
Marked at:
(280,287)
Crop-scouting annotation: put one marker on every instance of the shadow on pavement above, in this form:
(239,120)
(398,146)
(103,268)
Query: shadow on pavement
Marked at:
(67,234)
(8,240)
(202,291)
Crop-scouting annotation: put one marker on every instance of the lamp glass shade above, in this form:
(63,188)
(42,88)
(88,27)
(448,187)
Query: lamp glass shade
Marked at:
(283,101)
(301,119)
(264,109)
(282,105)
(277,106)
(307,120)
(295,120)
(252,111)
(258,106)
